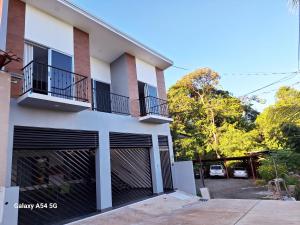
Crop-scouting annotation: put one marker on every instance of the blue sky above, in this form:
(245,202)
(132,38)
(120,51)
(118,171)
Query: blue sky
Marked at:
(229,36)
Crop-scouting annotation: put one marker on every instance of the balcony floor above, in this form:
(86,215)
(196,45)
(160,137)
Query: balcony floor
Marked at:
(155,119)
(52,103)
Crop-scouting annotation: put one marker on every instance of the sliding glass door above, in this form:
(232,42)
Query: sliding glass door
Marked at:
(102,100)
(152,103)
(61,75)
(41,62)
(149,103)
(36,60)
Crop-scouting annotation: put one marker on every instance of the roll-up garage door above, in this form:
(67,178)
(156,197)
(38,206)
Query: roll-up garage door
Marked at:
(165,163)
(58,179)
(130,167)
(48,138)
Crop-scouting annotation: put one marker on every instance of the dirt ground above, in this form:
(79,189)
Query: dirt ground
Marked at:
(182,209)
(233,188)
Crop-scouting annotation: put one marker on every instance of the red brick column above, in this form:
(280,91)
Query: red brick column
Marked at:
(15,40)
(132,86)
(161,87)
(82,58)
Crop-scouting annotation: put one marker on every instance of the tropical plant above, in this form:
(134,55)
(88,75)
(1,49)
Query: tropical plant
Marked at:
(279,124)
(203,115)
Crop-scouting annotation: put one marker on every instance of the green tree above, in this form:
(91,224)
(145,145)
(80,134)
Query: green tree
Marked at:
(201,114)
(279,123)
(237,142)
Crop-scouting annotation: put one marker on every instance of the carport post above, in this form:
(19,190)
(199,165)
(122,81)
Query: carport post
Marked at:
(226,169)
(103,175)
(155,166)
(252,169)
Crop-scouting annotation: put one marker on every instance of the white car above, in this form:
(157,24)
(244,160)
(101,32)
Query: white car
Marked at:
(240,172)
(217,171)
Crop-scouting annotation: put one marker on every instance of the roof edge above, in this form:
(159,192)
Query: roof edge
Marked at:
(115,30)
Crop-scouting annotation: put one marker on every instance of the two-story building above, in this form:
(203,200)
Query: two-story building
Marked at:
(88,123)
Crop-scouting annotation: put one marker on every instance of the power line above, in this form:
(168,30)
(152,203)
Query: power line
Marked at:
(243,74)
(179,67)
(259,73)
(275,82)
(276,89)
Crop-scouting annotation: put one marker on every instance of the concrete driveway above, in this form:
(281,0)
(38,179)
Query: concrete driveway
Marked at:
(179,208)
(233,188)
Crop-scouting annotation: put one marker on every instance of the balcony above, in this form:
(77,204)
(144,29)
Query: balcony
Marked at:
(111,103)
(49,87)
(154,110)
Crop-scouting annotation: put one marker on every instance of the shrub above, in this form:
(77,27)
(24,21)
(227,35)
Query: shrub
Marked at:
(291,180)
(260,182)
(267,170)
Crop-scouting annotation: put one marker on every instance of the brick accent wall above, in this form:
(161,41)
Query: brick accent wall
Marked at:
(15,40)
(132,86)
(161,87)
(82,57)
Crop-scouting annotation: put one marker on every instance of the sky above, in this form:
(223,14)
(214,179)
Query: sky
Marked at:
(232,37)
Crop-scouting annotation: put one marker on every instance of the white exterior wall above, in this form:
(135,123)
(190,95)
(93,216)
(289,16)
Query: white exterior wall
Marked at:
(100,70)
(146,73)
(95,121)
(183,177)
(49,31)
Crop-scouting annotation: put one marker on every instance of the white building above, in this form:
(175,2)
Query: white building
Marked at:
(88,123)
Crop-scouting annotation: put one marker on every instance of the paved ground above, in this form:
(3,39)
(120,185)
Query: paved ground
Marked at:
(233,188)
(180,209)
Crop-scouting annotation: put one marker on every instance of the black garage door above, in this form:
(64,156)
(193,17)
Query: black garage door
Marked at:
(130,167)
(165,163)
(55,173)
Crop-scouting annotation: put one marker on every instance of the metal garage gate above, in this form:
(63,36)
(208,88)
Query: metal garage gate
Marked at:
(130,167)
(165,163)
(55,170)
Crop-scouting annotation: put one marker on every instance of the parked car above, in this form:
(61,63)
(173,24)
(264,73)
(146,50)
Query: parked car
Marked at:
(217,171)
(240,172)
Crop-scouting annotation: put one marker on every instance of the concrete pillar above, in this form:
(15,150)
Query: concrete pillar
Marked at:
(103,173)
(8,205)
(156,167)
(9,196)
(4,121)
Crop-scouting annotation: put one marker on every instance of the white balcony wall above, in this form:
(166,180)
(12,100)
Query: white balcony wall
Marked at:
(146,73)
(100,70)
(49,31)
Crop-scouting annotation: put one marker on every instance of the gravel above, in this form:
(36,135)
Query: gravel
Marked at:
(233,189)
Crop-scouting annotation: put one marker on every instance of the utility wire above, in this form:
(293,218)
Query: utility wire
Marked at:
(246,74)
(179,67)
(258,73)
(275,82)
(276,89)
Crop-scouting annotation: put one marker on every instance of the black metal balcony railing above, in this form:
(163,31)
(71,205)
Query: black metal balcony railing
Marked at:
(45,79)
(154,106)
(111,103)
